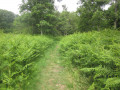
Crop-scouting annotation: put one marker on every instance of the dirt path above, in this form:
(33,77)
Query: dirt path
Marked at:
(54,76)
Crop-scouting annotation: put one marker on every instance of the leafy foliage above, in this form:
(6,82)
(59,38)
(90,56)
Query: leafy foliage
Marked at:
(96,54)
(42,11)
(67,22)
(94,16)
(23,24)
(113,83)
(6,19)
(18,55)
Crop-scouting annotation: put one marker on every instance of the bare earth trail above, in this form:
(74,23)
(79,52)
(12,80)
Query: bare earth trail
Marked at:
(54,76)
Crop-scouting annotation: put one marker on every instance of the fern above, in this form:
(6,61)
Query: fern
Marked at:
(18,55)
(96,54)
(113,83)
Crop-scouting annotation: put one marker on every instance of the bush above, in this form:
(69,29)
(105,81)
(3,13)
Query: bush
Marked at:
(18,55)
(96,54)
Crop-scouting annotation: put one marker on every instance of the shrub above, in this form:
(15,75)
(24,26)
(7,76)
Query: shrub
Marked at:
(18,55)
(96,54)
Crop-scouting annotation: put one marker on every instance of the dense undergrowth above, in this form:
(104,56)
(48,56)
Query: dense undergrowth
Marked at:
(18,56)
(97,55)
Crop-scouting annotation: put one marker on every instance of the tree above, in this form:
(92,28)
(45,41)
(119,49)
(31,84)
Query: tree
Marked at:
(6,19)
(23,23)
(112,14)
(43,13)
(116,4)
(98,20)
(91,15)
(67,22)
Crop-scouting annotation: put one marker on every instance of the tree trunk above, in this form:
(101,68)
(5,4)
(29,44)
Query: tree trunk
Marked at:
(115,22)
(98,28)
(41,31)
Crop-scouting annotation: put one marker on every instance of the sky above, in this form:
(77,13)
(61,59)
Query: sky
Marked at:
(10,5)
(71,5)
(13,5)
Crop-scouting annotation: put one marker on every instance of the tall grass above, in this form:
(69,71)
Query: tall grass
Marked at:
(97,55)
(18,55)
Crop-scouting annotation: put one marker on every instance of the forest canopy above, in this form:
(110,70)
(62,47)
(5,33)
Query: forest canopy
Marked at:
(6,19)
(42,17)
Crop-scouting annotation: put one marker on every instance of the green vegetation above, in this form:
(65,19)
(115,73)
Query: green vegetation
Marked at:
(97,55)
(42,17)
(42,13)
(88,59)
(6,20)
(93,16)
(51,75)
(23,24)
(18,56)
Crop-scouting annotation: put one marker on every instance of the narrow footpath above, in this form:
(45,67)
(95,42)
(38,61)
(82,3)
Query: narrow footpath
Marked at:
(54,76)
